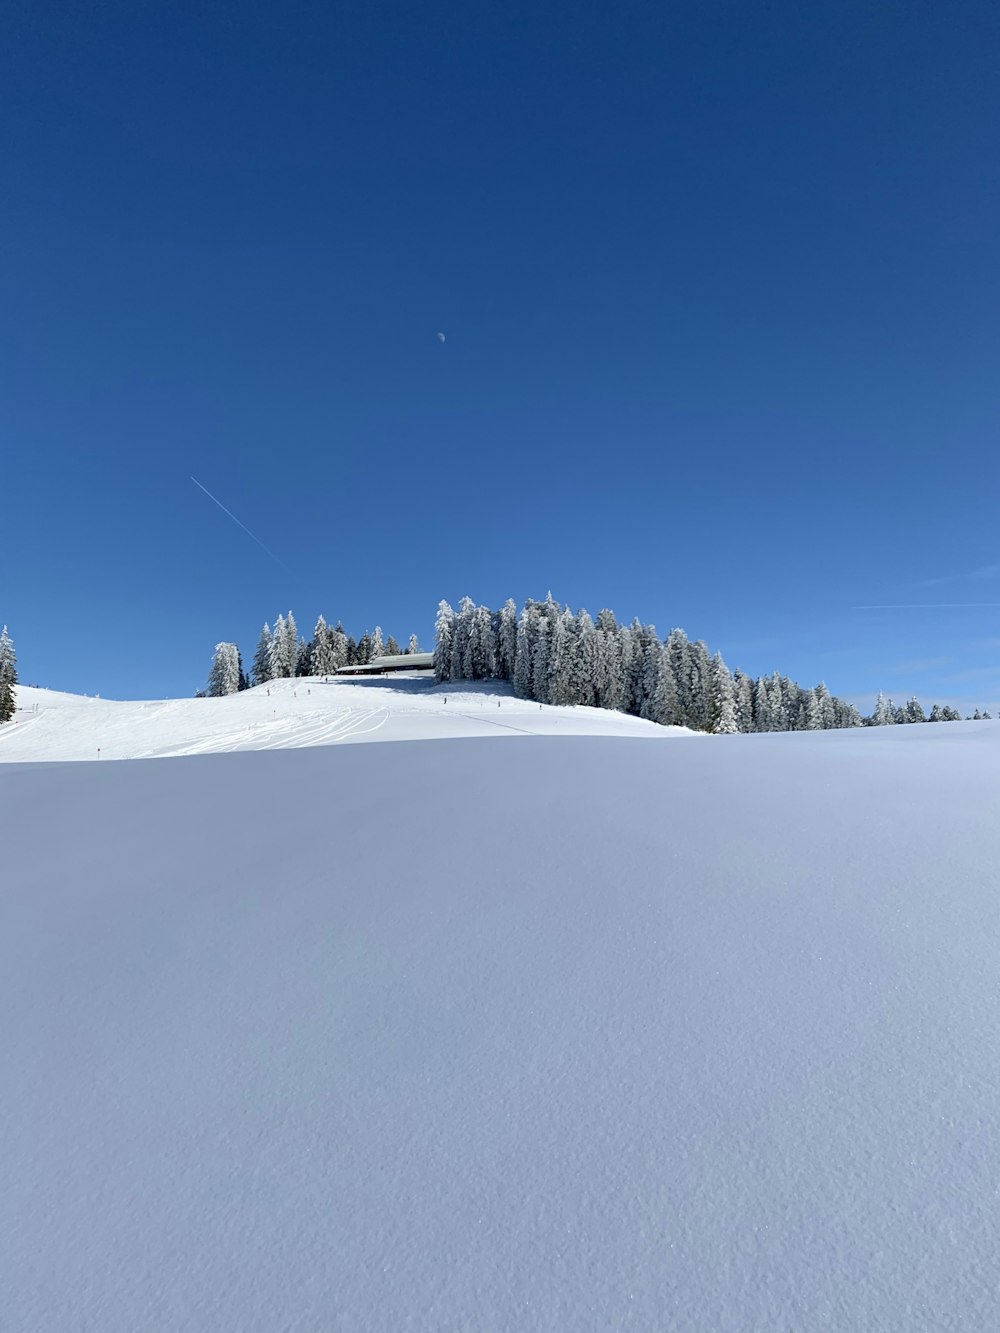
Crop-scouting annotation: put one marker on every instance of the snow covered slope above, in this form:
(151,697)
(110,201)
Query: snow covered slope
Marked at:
(290,714)
(575,1035)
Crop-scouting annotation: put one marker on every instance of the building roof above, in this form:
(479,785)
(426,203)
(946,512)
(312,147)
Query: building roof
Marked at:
(394,662)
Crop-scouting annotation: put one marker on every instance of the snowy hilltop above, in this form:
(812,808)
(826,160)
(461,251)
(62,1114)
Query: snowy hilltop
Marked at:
(292,714)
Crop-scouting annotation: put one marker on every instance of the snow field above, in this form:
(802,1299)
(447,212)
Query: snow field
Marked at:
(580,1034)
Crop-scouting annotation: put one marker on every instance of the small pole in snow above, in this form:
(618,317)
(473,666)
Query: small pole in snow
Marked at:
(98,752)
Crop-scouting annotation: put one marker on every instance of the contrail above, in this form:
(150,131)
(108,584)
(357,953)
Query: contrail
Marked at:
(242,525)
(927,606)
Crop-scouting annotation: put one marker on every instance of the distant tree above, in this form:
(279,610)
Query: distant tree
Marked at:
(460,664)
(284,648)
(812,718)
(224,677)
(527,641)
(540,664)
(8,676)
(649,673)
(914,712)
(291,643)
(414,645)
(743,696)
(338,642)
(584,668)
(560,636)
(350,651)
(665,708)
(883,713)
(480,646)
(364,651)
(261,668)
(303,658)
(378,645)
(723,703)
(444,641)
(679,648)
(392,648)
(613,648)
(506,640)
(324,661)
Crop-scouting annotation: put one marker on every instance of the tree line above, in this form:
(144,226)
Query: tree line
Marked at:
(555,656)
(282,652)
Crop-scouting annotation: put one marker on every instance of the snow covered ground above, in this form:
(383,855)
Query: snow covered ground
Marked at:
(575,1035)
(291,714)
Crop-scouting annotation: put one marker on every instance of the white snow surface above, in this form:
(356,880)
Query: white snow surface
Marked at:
(571,1035)
(291,714)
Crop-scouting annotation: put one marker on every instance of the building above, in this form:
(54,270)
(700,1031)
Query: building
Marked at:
(381,666)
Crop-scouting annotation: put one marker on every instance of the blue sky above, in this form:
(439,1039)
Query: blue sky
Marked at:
(719,285)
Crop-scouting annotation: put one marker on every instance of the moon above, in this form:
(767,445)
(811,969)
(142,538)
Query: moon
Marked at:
(441,337)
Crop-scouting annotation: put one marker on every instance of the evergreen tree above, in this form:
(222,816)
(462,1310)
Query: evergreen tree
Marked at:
(303,658)
(761,706)
(291,652)
(392,648)
(224,677)
(480,646)
(723,710)
(363,654)
(414,645)
(340,647)
(626,659)
(612,649)
(883,713)
(540,663)
(507,640)
(8,676)
(649,675)
(700,688)
(743,696)
(324,662)
(560,666)
(261,668)
(281,663)
(584,670)
(827,713)
(527,640)
(679,649)
(665,708)
(444,641)
(460,663)
(914,712)
(378,646)
(812,718)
